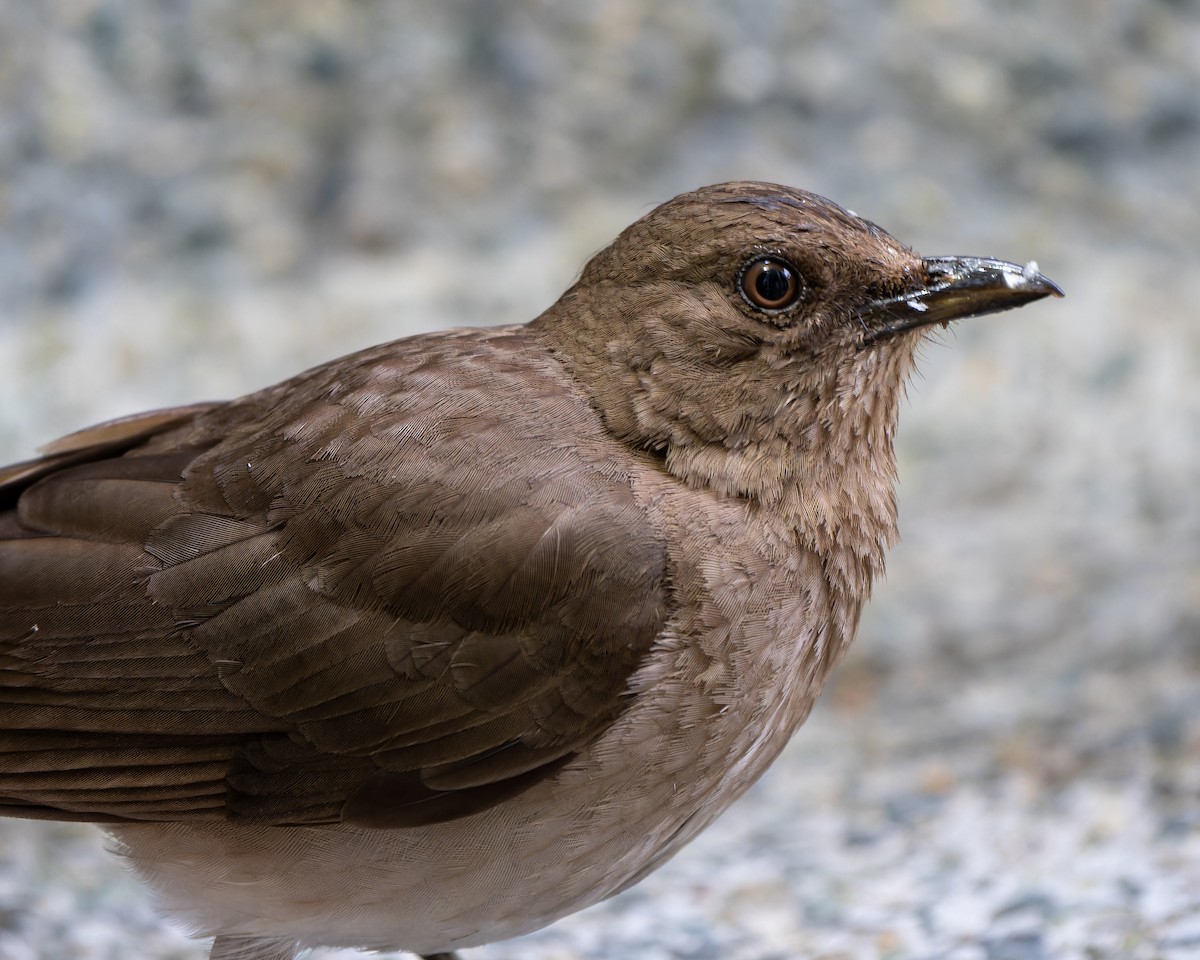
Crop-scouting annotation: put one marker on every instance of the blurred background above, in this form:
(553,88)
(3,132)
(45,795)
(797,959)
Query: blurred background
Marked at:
(200,197)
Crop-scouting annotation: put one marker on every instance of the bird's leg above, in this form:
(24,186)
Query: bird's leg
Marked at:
(252,948)
(439,956)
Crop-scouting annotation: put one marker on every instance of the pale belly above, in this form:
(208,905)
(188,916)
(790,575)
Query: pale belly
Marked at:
(638,795)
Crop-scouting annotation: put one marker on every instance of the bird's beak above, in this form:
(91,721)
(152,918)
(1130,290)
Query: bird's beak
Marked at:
(957,287)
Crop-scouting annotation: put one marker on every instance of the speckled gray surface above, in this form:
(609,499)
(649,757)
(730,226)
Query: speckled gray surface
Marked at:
(200,198)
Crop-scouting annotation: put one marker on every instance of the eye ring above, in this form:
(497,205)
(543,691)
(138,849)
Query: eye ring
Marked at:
(770,284)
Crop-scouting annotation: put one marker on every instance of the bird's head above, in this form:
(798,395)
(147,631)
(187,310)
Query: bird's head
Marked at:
(758,337)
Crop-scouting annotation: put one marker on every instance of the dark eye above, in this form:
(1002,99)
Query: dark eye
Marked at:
(769,283)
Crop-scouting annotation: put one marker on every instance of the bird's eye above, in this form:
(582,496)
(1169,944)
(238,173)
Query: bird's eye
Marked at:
(770,284)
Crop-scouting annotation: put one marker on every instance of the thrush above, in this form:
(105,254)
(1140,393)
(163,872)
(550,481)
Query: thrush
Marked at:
(441,641)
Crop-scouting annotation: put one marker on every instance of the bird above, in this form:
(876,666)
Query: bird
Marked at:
(436,643)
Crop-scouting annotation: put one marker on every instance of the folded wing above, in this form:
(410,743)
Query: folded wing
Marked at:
(397,589)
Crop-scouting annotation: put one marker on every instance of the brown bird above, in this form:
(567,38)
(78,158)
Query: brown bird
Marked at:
(441,641)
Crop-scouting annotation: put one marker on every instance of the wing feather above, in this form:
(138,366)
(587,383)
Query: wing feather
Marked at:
(396,589)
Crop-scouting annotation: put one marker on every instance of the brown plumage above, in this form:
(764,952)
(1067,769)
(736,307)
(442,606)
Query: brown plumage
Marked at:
(442,640)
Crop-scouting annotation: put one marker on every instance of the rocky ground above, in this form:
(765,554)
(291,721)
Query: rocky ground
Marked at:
(199,198)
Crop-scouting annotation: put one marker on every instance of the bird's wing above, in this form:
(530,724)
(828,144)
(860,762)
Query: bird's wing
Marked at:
(395,590)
